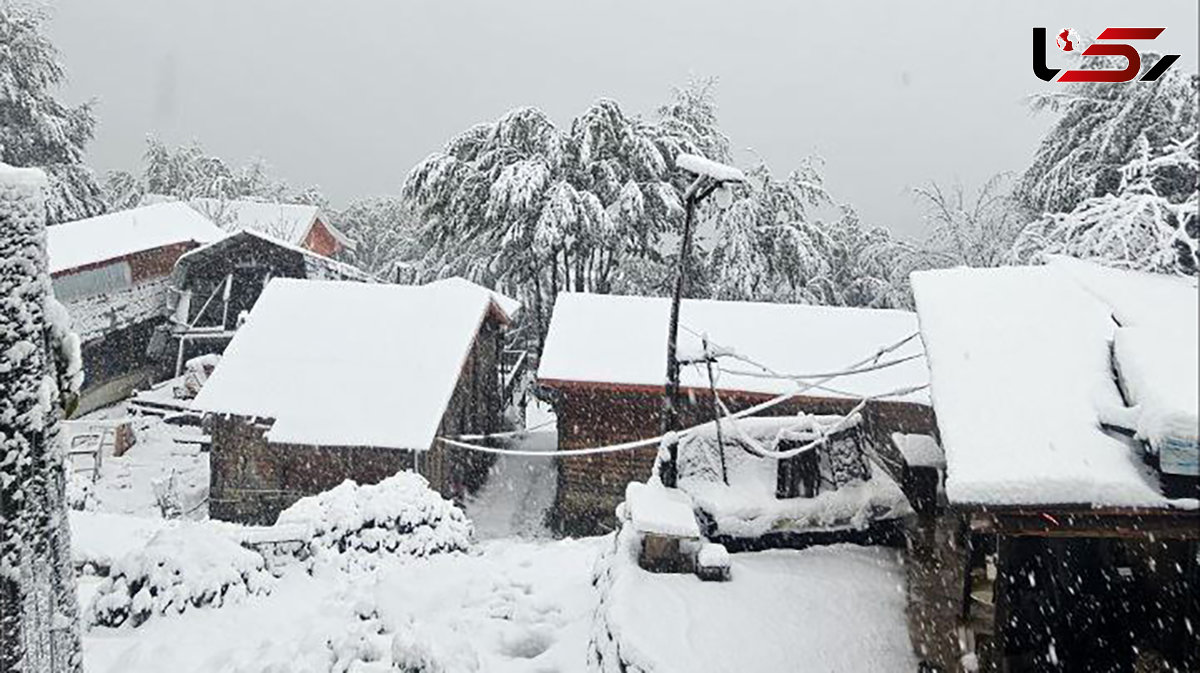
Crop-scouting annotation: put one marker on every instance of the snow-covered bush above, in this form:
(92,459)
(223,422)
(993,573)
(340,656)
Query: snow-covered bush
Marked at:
(399,515)
(180,568)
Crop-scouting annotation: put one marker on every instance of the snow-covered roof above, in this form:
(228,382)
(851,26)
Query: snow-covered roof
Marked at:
(1156,347)
(290,222)
(115,235)
(341,363)
(505,303)
(717,171)
(331,269)
(622,340)
(1020,365)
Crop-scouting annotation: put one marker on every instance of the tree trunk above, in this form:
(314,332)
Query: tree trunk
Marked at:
(39,622)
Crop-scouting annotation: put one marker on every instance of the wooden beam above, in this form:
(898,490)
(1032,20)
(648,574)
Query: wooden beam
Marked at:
(1122,524)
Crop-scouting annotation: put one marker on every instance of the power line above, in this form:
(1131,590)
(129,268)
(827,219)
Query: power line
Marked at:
(749,411)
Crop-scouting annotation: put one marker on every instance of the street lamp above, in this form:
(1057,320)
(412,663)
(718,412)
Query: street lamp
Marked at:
(710,176)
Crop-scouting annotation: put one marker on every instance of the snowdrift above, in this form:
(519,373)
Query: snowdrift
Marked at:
(400,515)
(180,568)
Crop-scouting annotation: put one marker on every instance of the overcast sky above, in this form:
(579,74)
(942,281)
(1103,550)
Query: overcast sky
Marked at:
(350,94)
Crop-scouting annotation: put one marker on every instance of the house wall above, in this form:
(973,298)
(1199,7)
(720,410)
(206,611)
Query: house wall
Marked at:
(590,487)
(117,326)
(320,241)
(253,480)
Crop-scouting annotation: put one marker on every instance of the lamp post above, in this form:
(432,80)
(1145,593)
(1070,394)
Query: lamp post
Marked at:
(710,176)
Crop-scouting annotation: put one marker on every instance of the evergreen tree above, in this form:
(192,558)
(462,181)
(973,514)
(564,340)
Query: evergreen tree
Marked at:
(1136,227)
(385,232)
(39,628)
(36,129)
(1083,154)
(189,172)
(527,207)
(771,245)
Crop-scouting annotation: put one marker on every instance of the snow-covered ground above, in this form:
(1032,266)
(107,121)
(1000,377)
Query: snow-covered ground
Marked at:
(130,484)
(836,608)
(507,606)
(519,492)
(516,601)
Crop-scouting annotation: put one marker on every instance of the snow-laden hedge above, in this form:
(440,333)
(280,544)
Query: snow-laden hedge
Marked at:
(180,568)
(399,515)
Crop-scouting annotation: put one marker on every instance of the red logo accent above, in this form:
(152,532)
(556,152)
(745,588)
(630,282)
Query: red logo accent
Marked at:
(1064,40)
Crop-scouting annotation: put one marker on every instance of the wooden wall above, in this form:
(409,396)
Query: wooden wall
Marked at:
(253,480)
(590,487)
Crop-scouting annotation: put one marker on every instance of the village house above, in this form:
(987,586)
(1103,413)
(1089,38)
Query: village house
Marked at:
(604,366)
(213,286)
(335,380)
(1066,400)
(111,273)
(298,224)
(301,225)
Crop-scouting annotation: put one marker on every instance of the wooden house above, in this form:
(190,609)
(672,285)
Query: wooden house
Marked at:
(335,380)
(111,273)
(604,364)
(213,286)
(1066,401)
(298,224)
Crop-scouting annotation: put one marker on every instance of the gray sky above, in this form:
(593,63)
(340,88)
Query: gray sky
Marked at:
(350,94)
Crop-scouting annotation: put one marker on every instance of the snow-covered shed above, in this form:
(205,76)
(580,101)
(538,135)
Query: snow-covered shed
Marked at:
(1058,390)
(214,285)
(111,274)
(299,224)
(334,380)
(605,361)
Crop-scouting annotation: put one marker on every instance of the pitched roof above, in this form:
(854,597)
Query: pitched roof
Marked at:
(341,363)
(290,222)
(1020,364)
(115,235)
(329,269)
(622,340)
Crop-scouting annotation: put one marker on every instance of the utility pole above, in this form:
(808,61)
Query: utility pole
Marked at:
(709,177)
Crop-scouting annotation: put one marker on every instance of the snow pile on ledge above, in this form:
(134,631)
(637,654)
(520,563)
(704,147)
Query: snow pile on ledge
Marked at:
(180,568)
(701,166)
(658,510)
(748,507)
(1159,376)
(399,515)
(839,608)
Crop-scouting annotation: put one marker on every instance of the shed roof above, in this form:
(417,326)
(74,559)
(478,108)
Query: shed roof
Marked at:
(107,237)
(1021,366)
(340,363)
(622,340)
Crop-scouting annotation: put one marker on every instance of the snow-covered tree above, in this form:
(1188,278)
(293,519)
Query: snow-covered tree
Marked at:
(190,172)
(531,208)
(39,625)
(976,231)
(384,229)
(772,245)
(1136,227)
(36,129)
(1083,154)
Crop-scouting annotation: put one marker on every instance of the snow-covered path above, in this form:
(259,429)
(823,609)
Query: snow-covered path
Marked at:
(519,492)
(508,606)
